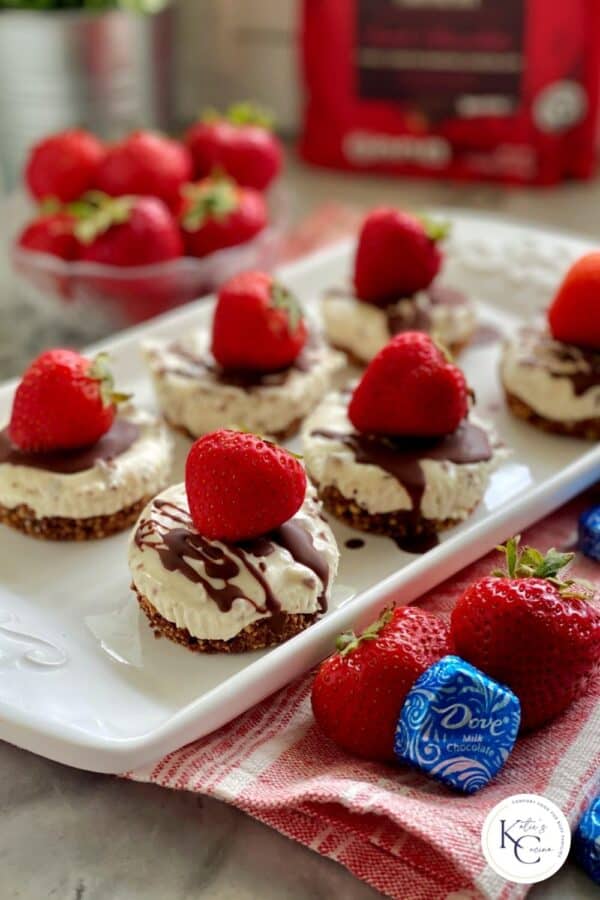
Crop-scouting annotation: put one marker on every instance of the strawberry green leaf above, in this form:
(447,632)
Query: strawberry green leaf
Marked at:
(434,229)
(214,198)
(283,299)
(349,641)
(100,371)
(97,212)
(250,114)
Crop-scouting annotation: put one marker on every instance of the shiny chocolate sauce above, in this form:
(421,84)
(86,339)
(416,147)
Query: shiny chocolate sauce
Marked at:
(176,543)
(354,543)
(68,462)
(401,456)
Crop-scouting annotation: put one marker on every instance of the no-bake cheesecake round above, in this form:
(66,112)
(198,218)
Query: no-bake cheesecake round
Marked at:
(58,483)
(550,368)
(396,287)
(221,595)
(260,367)
(405,481)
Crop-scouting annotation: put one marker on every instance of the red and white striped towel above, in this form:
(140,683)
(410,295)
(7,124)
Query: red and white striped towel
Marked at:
(407,836)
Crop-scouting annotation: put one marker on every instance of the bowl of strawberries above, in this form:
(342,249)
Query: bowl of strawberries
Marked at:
(126,231)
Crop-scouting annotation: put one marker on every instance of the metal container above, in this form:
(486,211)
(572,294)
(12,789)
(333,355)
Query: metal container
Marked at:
(107,71)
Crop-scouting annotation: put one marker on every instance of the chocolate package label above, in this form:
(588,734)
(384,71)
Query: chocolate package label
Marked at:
(441,59)
(498,89)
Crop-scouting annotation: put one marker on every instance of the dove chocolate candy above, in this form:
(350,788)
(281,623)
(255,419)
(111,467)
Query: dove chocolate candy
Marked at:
(457,725)
(586,842)
(589,533)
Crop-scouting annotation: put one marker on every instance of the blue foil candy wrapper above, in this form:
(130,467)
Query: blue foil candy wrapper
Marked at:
(457,724)
(586,842)
(589,533)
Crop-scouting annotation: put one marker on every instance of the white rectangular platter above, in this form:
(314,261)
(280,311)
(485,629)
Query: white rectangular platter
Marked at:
(82,679)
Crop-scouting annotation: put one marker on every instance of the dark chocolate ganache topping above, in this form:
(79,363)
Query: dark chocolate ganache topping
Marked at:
(401,456)
(117,440)
(579,364)
(196,364)
(177,543)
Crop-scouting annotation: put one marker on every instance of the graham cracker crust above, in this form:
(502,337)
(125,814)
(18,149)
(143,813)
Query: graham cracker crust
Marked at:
(401,523)
(58,528)
(257,636)
(588,429)
(289,432)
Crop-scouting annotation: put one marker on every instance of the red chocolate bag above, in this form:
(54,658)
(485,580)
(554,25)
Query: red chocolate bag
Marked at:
(500,89)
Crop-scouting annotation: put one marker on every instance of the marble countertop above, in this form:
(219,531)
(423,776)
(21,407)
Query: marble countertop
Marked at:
(80,836)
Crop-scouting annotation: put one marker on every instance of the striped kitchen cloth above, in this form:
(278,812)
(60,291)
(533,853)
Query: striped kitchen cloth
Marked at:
(407,836)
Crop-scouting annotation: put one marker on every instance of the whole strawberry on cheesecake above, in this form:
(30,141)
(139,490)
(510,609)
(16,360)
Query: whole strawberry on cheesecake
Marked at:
(550,368)
(260,367)
(238,557)
(402,454)
(396,287)
(77,460)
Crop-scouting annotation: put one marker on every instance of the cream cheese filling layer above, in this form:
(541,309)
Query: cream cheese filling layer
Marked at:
(544,373)
(105,488)
(194,397)
(363,329)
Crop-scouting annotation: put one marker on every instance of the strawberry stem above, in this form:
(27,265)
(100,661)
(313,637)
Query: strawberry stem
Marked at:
(349,641)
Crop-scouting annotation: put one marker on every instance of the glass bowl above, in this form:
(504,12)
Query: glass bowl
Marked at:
(99,299)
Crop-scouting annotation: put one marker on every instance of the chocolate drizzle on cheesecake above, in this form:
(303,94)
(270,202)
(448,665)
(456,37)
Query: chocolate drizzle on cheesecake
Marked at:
(580,365)
(198,364)
(178,543)
(401,457)
(116,441)
(415,313)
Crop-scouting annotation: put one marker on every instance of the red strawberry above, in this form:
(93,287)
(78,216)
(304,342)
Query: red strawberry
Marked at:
(63,165)
(145,164)
(410,388)
(240,486)
(241,144)
(51,233)
(205,141)
(216,213)
(574,314)
(63,401)
(358,692)
(530,631)
(127,231)
(397,255)
(257,325)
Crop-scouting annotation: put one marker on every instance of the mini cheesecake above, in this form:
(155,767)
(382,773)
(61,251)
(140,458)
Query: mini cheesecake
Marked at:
(361,329)
(553,385)
(217,596)
(90,492)
(198,396)
(400,486)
